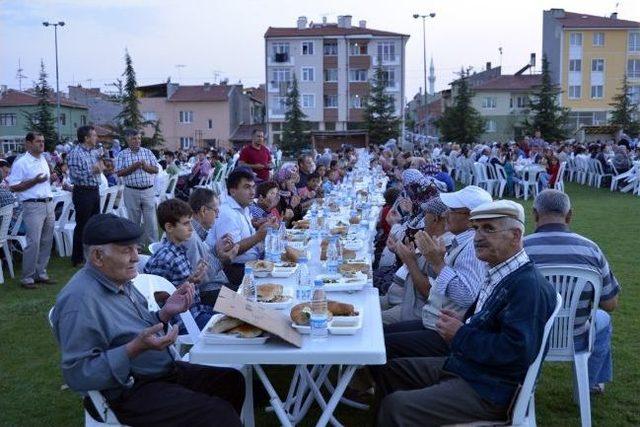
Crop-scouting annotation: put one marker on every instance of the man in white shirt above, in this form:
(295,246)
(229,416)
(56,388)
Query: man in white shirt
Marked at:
(235,221)
(29,178)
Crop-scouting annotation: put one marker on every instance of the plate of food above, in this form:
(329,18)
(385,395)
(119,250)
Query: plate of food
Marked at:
(273,296)
(303,224)
(340,283)
(284,269)
(301,315)
(352,244)
(261,268)
(223,329)
(353,267)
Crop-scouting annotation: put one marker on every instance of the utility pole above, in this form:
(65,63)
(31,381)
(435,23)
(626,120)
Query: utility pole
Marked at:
(424,53)
(55,32)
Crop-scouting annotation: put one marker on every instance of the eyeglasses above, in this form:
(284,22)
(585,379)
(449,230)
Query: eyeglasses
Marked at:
(212,208)
(488,230)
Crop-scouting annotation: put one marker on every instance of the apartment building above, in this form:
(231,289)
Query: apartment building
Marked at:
(333,64)
(588,58)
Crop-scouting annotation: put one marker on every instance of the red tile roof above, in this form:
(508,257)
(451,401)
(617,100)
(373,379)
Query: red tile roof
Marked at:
(15,98)
(327,30)
(257,93)
(515,82)
(581,20)
(201,93)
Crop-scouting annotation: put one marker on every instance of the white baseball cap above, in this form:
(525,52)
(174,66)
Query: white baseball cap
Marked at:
(469,197)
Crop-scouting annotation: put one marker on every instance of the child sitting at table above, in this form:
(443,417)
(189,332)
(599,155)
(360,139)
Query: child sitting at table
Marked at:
(312,189)
(170,258)
(266,205)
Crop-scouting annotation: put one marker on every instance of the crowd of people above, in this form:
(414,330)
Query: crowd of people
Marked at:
(463,303)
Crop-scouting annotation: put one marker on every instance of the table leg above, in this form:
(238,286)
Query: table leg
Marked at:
(247,407)
(315,387)
(348,402)
(313,384)
(276,403)
(341,385)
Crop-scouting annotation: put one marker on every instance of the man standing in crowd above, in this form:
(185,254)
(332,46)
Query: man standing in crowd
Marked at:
(30,178)
(85,167)
(112,343)
(235,221)
(137,166)
(491,351)
(553,243)
(257,156)
(306,166)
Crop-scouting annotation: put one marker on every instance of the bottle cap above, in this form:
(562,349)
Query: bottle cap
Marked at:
(248,269)
(318,282)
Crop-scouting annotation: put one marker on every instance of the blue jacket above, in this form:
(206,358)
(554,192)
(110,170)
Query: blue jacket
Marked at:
(493,351)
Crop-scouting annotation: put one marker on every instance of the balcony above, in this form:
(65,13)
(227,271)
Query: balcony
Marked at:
(277,59)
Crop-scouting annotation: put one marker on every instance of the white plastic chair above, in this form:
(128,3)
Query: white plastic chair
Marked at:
(153,247)
(501,177)
(559,184)
(108,199)
(64,226)
(480,177)
(570,282)
(5,217)
(13,232)
(528,183)
(98,400)
(598,173)
(524,410)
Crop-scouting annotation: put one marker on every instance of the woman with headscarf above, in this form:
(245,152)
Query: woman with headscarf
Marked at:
(287,178)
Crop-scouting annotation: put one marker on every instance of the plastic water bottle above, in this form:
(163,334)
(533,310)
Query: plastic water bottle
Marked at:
(313,223)
(249,285)
(304,285)
(282,234)
(332,255)
(268,245)
(315,250)
(319,320)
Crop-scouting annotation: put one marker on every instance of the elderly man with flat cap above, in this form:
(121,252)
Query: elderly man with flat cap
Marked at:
(491,351)
(111,342)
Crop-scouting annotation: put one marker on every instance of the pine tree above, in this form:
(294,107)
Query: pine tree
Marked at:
(625,112)
(549,117)
(295,129)
(130,116)
(461,123)
(156,139)
(42,120)
(380,119)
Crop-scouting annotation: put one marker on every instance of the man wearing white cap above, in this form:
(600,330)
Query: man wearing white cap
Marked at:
(459,277)
(490,352)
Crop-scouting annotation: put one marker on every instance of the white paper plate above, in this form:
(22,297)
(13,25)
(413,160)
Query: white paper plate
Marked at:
(306,330)
(338,329)
(283,271)
(225,339)
(278,305)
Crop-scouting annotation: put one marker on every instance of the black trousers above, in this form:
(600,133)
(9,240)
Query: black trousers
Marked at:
(86,202)
(192,395)
(412,339)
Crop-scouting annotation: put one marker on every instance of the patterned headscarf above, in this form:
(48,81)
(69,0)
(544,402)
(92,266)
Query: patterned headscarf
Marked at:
(419,188)
(285,172)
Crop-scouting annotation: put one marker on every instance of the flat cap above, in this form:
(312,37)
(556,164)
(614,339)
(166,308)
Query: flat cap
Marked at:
(102,229)
(498,209)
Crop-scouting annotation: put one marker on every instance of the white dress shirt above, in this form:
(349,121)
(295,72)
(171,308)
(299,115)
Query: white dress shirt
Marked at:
(235,220)
(28,167)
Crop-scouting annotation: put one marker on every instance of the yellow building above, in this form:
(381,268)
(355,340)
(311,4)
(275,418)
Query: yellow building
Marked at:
(588,58)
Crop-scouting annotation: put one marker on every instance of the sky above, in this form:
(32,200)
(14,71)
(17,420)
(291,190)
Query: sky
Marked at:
(195,41)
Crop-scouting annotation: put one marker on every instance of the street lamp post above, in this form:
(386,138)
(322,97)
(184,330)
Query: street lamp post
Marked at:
(55,32)
(424,56)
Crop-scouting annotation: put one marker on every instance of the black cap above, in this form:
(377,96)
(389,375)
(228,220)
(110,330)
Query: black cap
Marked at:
(102,229)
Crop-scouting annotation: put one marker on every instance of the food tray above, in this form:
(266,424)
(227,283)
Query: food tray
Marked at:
(338,325)
(283,271)
(217,339)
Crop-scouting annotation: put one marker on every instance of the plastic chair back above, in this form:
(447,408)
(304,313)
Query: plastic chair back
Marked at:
(153,247)
(148,284)
(5,218)
(108,200)
(570,282)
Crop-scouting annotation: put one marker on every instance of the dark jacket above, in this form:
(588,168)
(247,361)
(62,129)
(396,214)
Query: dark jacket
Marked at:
(493,351)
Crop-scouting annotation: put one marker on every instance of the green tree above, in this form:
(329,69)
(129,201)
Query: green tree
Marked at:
(548,117)
(42,120)
(130,116)
(625,112)
(461,122)
(157,138)
(380,119)
(295,130)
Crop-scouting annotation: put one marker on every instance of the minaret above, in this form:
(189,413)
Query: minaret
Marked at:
(432,78)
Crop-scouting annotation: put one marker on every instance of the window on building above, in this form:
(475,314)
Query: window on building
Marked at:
(575,65)
(522,102)
(574,92)
(633,68)
(8,119)
(389,77)
(634,42)
(634,94)
(185,117)
(597,65)
(280,52)
(280,78)
(597,91)
(330,48)
(490,126)
(598,39)
(63,119)
(357,48)
(308,101)
(355,101)
(386,51)
(278,105)
(186,142)
(308,74)
(357,75)
(307,48)
(329,125)
(83,120)
(210,124)
(150,116)
(575,39)
(331,75)
(331,101)
(489,102)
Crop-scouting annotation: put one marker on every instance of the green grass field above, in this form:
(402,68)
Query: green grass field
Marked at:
(30,380)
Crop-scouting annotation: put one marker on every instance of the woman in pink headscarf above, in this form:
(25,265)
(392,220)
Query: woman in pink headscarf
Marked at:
(287,178)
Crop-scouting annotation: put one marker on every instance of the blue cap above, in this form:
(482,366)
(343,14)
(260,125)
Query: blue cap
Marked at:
(318,282)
